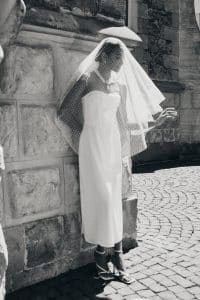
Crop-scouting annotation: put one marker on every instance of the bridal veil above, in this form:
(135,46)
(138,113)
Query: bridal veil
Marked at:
(143,98)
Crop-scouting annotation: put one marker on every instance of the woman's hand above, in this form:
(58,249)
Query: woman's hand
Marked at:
(168,113)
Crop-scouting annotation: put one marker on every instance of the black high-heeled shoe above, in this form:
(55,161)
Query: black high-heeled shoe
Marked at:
(102,273)
(121,275)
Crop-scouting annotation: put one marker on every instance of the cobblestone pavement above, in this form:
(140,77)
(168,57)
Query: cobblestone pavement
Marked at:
(166,264)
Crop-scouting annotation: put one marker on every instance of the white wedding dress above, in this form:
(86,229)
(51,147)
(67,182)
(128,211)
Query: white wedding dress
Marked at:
(100,169)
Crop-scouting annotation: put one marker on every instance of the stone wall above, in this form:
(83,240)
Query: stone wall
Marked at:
(190,75)
(170,54)
(40,190)
(158,26)
(79,16)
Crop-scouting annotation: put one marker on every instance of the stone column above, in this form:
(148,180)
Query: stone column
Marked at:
(11,14)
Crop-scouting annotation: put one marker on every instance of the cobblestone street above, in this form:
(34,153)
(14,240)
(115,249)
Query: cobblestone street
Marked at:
(166,265)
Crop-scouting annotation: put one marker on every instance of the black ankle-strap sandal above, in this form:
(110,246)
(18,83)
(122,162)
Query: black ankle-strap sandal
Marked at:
(121,275)
(102,273)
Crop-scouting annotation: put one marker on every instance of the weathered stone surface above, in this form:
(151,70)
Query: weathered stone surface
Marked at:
(171,61)
(72,234)
(8,132)
(189,38)
(170,100)
(11,17)
(196,100)
(126,181)
(196,134)
(170,135)
(33,191)
(41,136)
(72,190)
(189,117)
(157,21)
(62,58)
(43,241)
(69,15)
(1,202)
(28,72)
(186,133)
(130,218)
(186,99)
(14,237)
(3,263)
(155,136)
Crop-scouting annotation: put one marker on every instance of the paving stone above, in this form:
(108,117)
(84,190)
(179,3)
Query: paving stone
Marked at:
(167,296)
(181,281)
(194,290)
(163,280)
(125,291)
(185,296)
(109,290)
(117,285)
(136,286)
(146,293)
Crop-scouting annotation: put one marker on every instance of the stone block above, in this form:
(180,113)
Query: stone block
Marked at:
(186,99)
(72,190)
(186,132)
(66,62)
(196,134)
(1,203)
(113,8)
(44,240)
(155,136)
(142,10)
(170,135)
(175,74)
(8,132)
(72,234)
(3,263)
(177,100)
(196,100)
(28,72)
(170,34)
(126,180)
(190,117)
(40,134)
(130,218)
(169,102)
(85,245)
(33,191)
(15,240)
(175,19)
(172,5)
(171,61)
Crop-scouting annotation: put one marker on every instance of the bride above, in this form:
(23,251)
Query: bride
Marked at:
(108,107)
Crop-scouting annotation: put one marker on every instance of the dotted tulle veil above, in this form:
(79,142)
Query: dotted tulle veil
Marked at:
(143,98)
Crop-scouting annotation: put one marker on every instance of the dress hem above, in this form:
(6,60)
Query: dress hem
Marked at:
(100,244)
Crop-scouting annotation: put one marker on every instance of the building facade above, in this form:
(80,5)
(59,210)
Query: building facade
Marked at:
(39,194)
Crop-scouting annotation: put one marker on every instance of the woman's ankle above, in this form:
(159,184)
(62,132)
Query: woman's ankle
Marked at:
(100,249)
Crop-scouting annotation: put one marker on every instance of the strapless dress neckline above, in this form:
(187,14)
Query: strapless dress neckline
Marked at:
(100,92)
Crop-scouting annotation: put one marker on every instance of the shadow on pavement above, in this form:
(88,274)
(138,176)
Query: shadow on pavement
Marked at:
(74,285)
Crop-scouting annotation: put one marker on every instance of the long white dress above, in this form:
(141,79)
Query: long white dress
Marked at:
(100,169)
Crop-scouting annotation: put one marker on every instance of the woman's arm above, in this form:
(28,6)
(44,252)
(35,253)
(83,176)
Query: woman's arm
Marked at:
(70,111)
